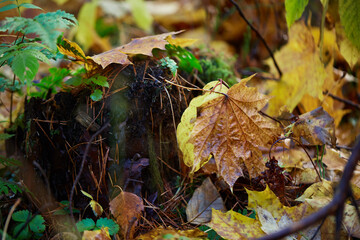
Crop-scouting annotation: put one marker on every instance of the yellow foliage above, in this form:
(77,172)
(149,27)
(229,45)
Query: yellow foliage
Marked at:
(303,72)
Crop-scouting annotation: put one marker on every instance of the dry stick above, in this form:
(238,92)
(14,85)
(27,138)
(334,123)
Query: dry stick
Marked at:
(80,172)
(9,217)
(259,36)
(338,201)
(348,102)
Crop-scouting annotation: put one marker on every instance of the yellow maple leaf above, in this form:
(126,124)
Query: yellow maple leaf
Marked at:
(233,225)
(230,128)
(303,72)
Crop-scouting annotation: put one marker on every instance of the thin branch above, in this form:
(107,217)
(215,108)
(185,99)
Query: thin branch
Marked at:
(348,102)
(259,36)
(341,194)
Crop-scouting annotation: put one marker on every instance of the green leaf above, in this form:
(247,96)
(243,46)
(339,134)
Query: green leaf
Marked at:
(105,222)
(25,233)
(100,80)
(141,14)
(85,225)
(8,7)
(29,5)
(25,66)
(4,136)
(9,161)
(294,10)
(45,25)
(87,19)
(6,1)
(37,224)
(187,61)
(21,216)
(349,18)
(96,95)
(74,81)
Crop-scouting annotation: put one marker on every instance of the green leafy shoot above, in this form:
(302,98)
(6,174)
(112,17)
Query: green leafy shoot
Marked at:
(167,62)
(46,26)
(9,162)
(6,187)
(49,84)
(187,61)
(88,224)
(96,95)
(34,228)
(23,5)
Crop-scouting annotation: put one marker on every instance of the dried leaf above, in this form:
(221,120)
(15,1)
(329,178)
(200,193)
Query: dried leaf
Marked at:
(101,234)
(142,46)
(315,128)
(145,45)
(205,198)
(188,119)
(230,128)
(127,208)
(233,225)
(161,233)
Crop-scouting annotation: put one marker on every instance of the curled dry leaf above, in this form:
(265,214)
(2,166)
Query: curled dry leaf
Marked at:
(205,198)
(315,128)
(230,128)
(127,208)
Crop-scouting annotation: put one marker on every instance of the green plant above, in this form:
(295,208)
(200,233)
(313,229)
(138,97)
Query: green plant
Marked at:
(92,82)
(35,40)
(34,225)
(167,62)
(49,83)
(88,224)
(187,61)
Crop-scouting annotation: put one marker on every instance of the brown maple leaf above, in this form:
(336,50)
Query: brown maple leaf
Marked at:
(231,129)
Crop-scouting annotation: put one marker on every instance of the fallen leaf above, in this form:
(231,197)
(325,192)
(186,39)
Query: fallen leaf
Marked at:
(233,225)
(142,46)
(127,208)
(270,225)
(101,234)
(169,233)
(319,195)
(188,118)
(230,128)
(315,128)
(145,45)
(205,198)
(303,72)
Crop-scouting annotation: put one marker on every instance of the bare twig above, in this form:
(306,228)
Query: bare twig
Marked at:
(259,36)
(341,194)
(9,217)
(348,102)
